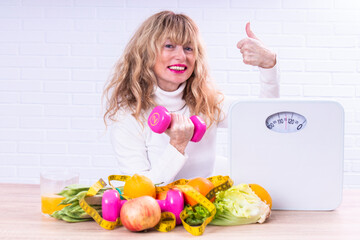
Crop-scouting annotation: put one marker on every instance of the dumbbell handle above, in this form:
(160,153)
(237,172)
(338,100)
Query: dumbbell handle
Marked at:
(159,120)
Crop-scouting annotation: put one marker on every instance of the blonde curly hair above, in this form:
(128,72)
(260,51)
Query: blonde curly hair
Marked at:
(131,85)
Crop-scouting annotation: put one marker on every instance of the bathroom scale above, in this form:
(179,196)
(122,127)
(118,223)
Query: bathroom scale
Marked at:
(293,148)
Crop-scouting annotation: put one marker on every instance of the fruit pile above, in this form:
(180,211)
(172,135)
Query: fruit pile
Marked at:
(194,203)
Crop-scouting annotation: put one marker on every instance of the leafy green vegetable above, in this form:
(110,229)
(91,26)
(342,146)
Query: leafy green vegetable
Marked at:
(196,214)
(72,190)
(74,213)
(73,199)
(239,205)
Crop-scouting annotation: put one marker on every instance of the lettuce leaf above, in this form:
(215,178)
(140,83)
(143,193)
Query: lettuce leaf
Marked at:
(239,205)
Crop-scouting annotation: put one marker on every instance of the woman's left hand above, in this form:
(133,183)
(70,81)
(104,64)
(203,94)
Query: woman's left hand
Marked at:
(254,52)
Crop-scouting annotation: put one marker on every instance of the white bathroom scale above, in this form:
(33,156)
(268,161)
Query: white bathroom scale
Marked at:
(293,148)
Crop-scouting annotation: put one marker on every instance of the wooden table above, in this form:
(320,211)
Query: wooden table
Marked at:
(21,218)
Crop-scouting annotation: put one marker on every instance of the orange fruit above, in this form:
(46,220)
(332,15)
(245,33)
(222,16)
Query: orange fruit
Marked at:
(202,185)
(261,193)
(161,195)
(139,185)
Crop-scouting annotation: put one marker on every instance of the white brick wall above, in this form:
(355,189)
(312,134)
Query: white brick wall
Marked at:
(56,55)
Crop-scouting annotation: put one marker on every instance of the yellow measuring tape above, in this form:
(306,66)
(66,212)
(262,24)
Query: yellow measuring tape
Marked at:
(92,212)
(220,182)
(190,191)
(168,220)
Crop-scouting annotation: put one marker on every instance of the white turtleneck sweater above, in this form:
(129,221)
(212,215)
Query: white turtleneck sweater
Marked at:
(139,150)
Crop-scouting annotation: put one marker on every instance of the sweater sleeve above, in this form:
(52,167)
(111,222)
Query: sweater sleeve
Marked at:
(128,139)
(269,82)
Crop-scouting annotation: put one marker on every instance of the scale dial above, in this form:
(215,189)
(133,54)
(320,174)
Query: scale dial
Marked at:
(286,122)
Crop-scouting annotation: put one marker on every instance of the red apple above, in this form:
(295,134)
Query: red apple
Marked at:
(140,213)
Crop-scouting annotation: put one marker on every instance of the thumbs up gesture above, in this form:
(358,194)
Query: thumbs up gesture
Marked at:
(254,52)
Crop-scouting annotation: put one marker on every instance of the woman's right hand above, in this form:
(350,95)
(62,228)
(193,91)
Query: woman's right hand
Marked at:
(180,132)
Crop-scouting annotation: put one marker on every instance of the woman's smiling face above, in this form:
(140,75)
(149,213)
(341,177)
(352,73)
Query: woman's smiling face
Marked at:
(174,65)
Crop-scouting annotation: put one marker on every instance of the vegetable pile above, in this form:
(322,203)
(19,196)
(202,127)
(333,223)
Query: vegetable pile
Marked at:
(193,203)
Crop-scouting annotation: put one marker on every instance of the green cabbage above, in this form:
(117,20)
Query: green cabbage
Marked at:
(239,205)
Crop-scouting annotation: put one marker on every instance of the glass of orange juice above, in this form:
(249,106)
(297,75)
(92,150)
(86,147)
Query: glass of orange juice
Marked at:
(51,183)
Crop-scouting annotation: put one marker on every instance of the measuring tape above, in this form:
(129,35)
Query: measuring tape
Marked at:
(220,182)
(168,220)
(190,191)
(92,212)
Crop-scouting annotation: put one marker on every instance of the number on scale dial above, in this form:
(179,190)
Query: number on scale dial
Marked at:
(285,122)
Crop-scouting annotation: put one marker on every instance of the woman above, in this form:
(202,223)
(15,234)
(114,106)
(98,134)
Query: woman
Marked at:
(164,64)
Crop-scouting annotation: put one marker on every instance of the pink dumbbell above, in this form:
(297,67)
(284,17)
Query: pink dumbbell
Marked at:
(160,119)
